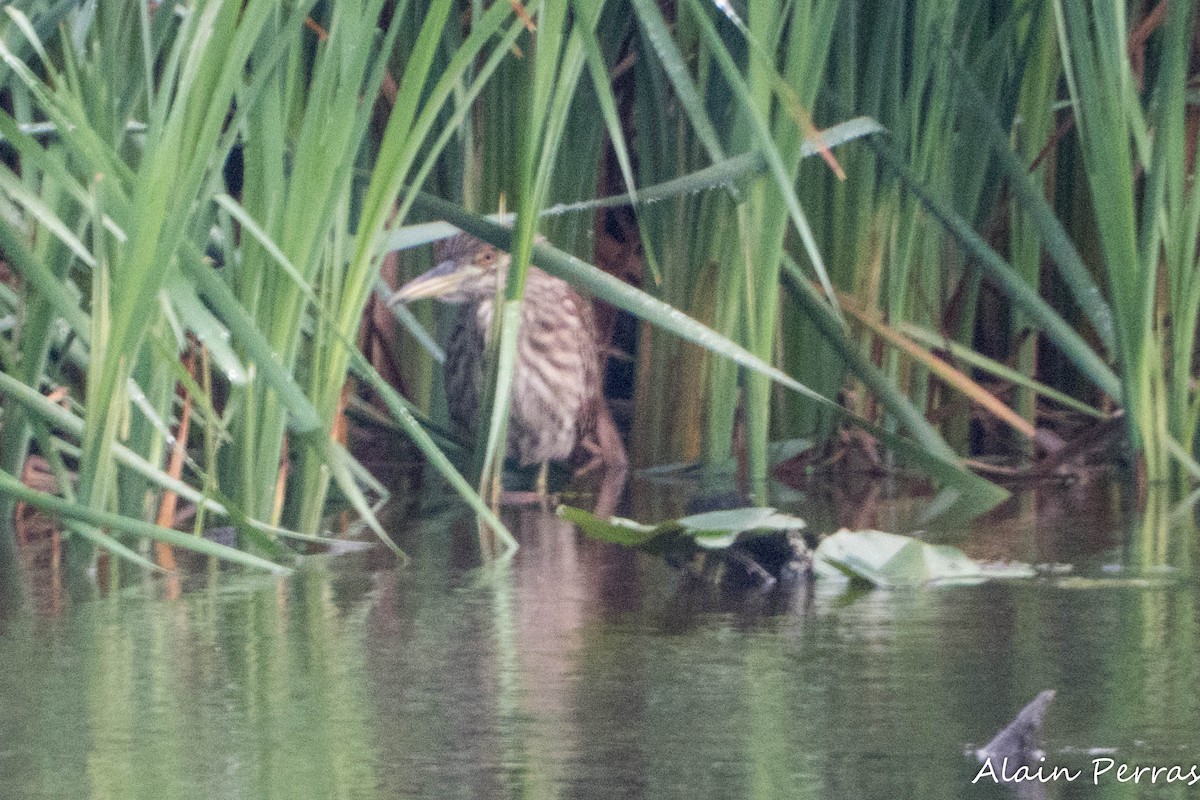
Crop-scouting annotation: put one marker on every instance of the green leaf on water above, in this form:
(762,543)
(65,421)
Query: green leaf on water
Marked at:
(885,560)
(713,530)
(889,560)
(625,532)
(737,520)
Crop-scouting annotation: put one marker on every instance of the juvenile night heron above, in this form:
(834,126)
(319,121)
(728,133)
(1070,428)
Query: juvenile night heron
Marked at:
(557,393)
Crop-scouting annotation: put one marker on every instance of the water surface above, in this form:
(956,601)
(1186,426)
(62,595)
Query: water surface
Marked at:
(580,670)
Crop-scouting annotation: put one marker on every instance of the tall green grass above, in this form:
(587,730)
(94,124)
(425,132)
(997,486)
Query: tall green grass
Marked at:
(1135,150)
(134,258)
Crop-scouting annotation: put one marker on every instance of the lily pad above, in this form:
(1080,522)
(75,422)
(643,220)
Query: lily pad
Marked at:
(737,535)
(712,530)
(629,533)
(737,520)
(617,530)
(891,560)
(761,544)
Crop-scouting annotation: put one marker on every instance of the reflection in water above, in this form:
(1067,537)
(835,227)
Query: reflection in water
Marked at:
(251,691)
(581,670)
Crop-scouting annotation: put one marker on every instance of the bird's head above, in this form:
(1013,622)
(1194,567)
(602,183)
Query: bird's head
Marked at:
(467,269)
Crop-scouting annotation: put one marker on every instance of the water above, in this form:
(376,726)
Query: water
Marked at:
(579,670)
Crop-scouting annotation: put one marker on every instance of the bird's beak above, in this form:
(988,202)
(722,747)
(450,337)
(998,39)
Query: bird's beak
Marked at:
(437,282)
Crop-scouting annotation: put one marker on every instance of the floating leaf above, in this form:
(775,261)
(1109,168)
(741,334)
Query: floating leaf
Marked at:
(875,557)
(737,520)
(652,538)
(759,544)
(891,560)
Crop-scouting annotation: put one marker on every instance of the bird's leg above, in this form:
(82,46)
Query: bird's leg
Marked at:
(595,460)
(604,446)
(497,491)
(539,496)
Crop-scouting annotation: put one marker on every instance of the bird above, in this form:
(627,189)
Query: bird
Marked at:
(558,398)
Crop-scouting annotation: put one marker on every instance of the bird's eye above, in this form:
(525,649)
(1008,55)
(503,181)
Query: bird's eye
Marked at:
(485,257)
